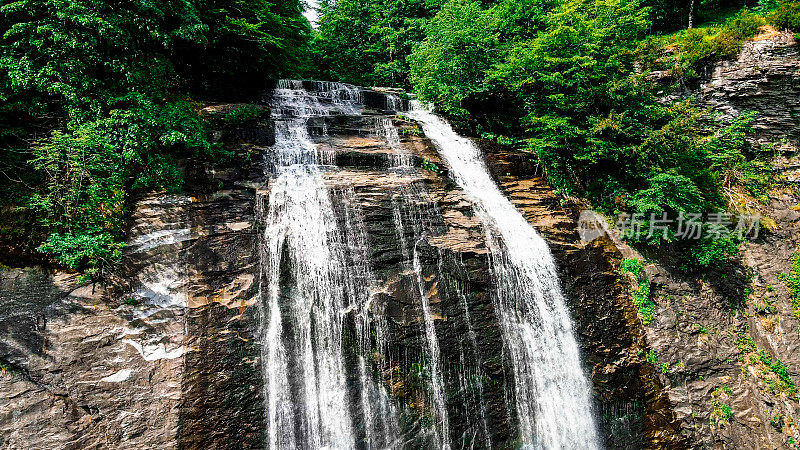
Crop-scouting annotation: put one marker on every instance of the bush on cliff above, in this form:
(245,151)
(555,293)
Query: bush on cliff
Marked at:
(787,16)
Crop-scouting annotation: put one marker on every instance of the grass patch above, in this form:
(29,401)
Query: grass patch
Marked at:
(772,371)
(784,383)
(722,411)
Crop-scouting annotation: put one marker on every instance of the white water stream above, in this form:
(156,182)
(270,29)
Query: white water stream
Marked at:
(553,395)
(314,272)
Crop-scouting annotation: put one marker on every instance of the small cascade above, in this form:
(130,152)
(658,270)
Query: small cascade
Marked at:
(400,157)
(394,103)
(553,396)
(291,98)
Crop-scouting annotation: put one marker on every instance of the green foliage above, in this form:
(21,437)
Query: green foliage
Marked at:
(88,171)
(711,252)
(572,70)
(245,114)
(779,379)
(641,294)
(792,280)
(502,140)
(786,16)
(429,165)
(651,357)
(776,420)
(245,44)
(367,42)
(688,53)
(721,412)
(450,65)
(733,160)
(95,103)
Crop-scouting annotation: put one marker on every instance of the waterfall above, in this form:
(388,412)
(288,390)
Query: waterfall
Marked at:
(324,336)
(314,274)
(399,158)
(553,397)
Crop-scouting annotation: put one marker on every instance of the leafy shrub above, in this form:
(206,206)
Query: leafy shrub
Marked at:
(776,420)
(735,32)
(692,50)
(90,171)
(667,193)
(787,16)
(92,109)
(710,252)
(641,294)
(448,66)
(733,160)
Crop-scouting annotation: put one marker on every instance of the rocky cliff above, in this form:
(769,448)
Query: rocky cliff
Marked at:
(164,353)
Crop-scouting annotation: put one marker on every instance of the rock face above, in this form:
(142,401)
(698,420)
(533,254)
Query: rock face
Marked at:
(156,356)
(725,343)
(765,78)
(633,408)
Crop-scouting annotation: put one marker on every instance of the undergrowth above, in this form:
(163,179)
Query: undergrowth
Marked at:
(686,54)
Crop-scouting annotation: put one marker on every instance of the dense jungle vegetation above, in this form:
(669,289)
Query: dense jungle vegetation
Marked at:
(100,98)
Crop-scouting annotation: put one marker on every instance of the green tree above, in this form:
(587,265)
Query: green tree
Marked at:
(367,42)
(450,65)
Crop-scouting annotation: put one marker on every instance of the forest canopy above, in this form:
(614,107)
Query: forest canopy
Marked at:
(567,82)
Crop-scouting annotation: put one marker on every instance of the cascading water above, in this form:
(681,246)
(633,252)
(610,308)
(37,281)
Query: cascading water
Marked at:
(314,274)
(553,398)
(325,339)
